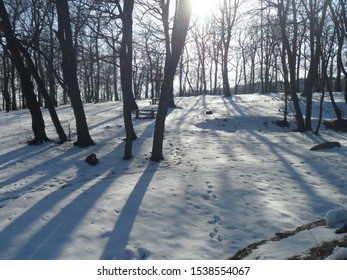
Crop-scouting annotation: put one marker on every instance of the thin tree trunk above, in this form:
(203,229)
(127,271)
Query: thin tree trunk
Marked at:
(13,87)
(5,91)
(226,85)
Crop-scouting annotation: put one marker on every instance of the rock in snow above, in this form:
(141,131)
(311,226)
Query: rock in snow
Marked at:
(336,216)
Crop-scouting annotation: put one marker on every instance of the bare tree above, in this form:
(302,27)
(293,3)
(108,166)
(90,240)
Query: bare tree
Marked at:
(228,10)
(287,13)
(317,16)
(201,38)
(179,32)
(126,56)
(69,67)
(160,27)
(44,93)
(13,45)
(339,17)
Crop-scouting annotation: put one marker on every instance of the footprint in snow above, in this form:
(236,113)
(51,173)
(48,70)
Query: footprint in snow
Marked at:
(215,219)
(214,234)
(210,192)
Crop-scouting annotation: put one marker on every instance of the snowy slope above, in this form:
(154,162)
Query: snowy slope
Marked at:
(228,179)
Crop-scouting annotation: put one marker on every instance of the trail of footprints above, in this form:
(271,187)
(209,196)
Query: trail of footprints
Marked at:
(210,192)
(215,221)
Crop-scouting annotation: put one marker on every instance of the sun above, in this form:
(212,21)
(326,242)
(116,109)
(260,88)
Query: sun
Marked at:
(203,8)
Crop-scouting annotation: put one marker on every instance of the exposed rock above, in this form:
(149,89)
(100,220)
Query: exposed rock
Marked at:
(92,159)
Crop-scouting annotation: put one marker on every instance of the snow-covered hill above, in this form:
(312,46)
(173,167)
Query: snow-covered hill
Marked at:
(230,178)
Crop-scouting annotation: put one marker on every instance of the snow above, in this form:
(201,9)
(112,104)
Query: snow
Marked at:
(229,179)
(338,254)
(297,245)
(335,216)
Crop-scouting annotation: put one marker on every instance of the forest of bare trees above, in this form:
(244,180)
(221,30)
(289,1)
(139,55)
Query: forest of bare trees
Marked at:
(59,52)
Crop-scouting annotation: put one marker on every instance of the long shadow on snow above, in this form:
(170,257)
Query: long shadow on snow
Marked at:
(264,125)
(111,120)
(43,244)
(49,168)
(232,102)
(119,237)
(48,242)
(318,202)
(183,118)
(12,158)
(306,187)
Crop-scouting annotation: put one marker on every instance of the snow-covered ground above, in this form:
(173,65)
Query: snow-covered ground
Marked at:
(229,179)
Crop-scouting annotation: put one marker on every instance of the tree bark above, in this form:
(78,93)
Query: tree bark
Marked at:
(5,91)
(179,32)
(125,58)
(165,7)
(69,67)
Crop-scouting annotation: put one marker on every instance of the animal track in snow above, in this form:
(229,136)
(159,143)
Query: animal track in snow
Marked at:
(210,192)
(214,234)
(189,198)
(215,219)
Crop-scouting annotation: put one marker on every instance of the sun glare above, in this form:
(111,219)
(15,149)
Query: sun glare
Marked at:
(203,8)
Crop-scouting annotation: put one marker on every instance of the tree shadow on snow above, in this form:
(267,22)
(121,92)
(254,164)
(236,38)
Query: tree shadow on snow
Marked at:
(46,229)
(50,240)
(119,236)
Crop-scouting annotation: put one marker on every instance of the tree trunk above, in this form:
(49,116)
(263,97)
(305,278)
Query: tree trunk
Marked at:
(50,62)
(291,52)
(327,81)
(286,85)
(226,85)
(229,12)
(129,103)
(13,87)
(44,93)
(38,125)
(165,6)
(115,77)
(69,67)
(5,91)
(179,32)
(315,29)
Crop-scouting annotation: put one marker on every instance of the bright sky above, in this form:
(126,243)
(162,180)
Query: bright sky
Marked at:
(202,8)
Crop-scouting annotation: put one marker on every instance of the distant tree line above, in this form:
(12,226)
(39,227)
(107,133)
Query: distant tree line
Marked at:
(59,52)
